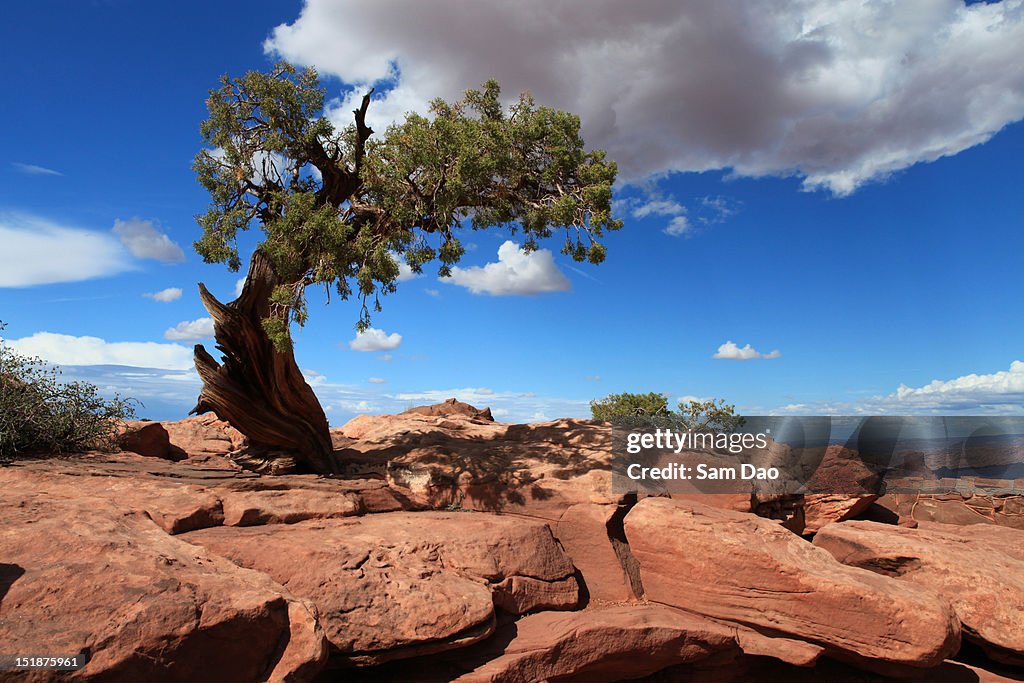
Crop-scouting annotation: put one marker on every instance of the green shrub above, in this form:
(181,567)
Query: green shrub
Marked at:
(40,415)
(629,405)
(714,415)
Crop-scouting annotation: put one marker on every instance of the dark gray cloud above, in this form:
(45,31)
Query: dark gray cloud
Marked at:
(839,92)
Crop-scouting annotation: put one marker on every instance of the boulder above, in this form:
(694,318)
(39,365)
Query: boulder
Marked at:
(149,439)
(204,435)
(400,584)
(452,407)
(980,571)
(824,508)
(81,575)
(746,569)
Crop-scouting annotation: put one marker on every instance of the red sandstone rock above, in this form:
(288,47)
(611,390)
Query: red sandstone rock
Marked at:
(452,407)
(397,585)
(583,530)
(204,435)
(824,508)
(981,574)
(749,570)
(147,438)
(609,644)
(80,574)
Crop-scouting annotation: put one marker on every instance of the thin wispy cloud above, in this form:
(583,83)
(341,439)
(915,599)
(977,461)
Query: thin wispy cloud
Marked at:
(32,169)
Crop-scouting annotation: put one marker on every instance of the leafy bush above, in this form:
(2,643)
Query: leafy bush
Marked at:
(41,416)
(714,415)
(629,405)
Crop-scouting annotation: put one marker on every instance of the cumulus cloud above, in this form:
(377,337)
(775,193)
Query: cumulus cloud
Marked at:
(32,169)
(516,272)
(730,351)
(63,349)
(191,330)
(165,295)
(838,92)
(144,240)
(37,252)
(996,393)
(375,340)
(239,284)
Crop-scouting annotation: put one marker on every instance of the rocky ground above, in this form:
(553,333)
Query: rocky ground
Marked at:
(457,548)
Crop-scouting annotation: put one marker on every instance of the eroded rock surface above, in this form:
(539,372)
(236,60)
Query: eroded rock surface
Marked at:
(748,570)
(404,584)
(81,575)
(980,572)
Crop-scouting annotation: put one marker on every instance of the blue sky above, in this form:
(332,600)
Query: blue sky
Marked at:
(839,183)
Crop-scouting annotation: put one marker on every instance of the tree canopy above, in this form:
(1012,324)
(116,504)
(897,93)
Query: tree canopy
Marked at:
(337,207)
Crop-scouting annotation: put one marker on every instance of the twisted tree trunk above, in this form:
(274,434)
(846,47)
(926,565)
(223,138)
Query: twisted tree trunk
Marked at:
(259,390)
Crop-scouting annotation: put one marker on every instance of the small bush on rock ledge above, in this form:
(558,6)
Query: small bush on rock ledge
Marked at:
(713,415)
(41,416)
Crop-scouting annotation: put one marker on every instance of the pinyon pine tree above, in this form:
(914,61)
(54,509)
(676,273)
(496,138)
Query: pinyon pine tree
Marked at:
(336,209)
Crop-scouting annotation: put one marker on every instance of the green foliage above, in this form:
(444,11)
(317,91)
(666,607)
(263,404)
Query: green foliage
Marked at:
(713,415)
(41,416)
(629,405)
(337,206)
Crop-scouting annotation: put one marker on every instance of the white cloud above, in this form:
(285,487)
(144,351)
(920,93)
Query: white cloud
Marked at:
(313,378)
(36,251)
(165,295)
(405,271)
(144,240)
(191,330)
(516,272)
(32,169)
(239,284)
(678,226)
(377,380)
(836,91)
(996,393)
(385,357)
(375,340)
(593,378)
(658,207)
(471,395)
(432,292)
(63,349)
(730,351)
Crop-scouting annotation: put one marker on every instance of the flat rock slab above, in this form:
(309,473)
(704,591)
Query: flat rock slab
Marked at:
(80,574)
(979,570)
(745,569)
(622,642)
(400,584)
